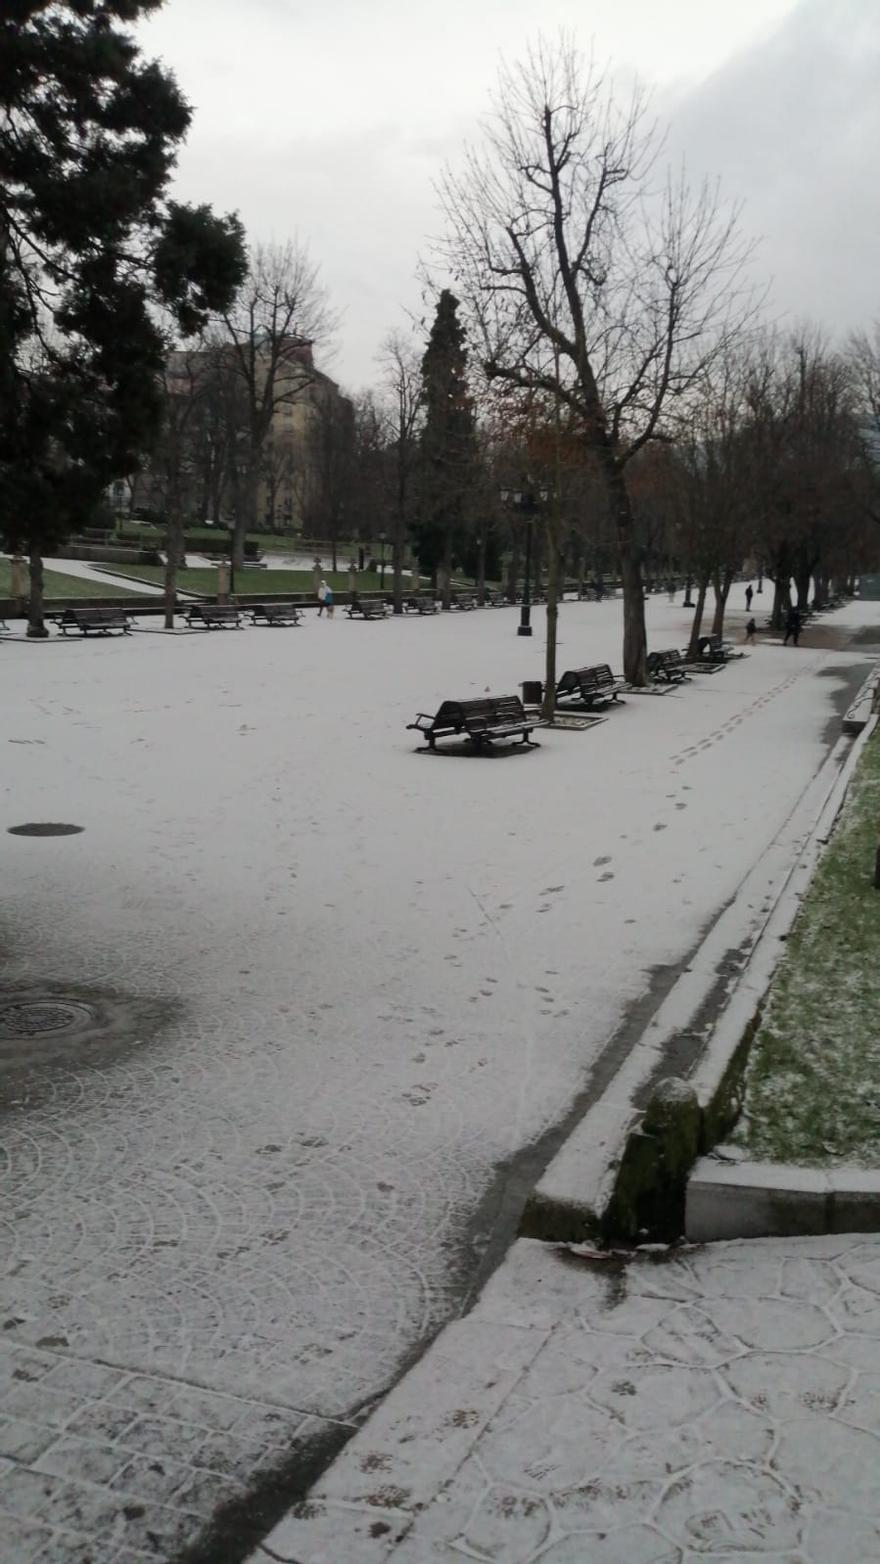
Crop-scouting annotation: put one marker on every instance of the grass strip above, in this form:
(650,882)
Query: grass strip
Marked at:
(813,1081)
(57,584)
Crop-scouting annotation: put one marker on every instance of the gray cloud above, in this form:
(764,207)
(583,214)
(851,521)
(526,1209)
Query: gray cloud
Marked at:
(793,129)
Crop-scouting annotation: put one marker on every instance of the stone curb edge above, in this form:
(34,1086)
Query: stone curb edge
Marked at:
(574,1198)
(775,1200)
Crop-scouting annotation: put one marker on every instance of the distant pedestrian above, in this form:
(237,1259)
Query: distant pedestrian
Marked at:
(792,627)
(328,602)
(600,589)
(323,589)
(749,595)
(751,629)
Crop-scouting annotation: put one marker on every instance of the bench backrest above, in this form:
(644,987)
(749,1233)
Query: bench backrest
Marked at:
(585,679)
(476,715)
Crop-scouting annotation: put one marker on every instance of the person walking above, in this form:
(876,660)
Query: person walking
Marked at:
(323,589)
(749,595)
(328,601)
(751,628)
(792,627)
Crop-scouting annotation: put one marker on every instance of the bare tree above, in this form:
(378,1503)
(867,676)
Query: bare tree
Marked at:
(330,438)
(174,468)
(278,318)
(567,253)
(864,361)
(402,383)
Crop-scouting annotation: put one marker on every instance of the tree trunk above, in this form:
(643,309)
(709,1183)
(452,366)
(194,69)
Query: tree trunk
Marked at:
(444,583)
(174,554)
(481,570)
(245,513)
(781,601)
(549,707)
(721,586)
(36,628)
(693,650)
(397,565)
(802,585)
(635,641)
(513,569)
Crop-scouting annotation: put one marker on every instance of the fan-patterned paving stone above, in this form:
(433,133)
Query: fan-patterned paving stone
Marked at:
(239,1208)
(711,1432)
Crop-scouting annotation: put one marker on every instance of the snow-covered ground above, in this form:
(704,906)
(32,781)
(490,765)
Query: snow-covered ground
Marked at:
(376,977)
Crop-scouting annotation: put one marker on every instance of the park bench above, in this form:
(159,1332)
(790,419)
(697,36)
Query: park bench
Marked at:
(420,605)
(667,667)
(101,621)
(482,721)
(275,614)
(213,616)
(713,653)
(496,600)
(463,600)
(368,608)
(590,686)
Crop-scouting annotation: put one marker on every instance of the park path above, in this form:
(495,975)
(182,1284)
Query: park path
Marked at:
(713,1404)
(340,989)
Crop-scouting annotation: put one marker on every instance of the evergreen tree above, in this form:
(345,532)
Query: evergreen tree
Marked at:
(93,255)
(448,447)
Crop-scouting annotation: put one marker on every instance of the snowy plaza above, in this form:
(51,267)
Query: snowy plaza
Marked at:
(348,995)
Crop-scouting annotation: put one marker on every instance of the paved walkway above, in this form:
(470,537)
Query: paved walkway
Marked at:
(721,1404)
(345,996)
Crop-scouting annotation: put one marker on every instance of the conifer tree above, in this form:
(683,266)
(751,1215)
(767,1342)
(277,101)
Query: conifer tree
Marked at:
(448,447)
(97,264)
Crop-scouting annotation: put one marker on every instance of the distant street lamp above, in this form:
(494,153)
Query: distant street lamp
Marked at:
(527,501)
(382,559)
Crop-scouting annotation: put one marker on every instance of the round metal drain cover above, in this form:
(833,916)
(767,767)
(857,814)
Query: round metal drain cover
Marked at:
(35,1017)
(44,828)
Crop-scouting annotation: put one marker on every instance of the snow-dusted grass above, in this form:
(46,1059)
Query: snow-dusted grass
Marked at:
(204,579)
(57,583)
(813,1087)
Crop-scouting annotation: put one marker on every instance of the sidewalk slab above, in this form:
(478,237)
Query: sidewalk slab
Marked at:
(656,1410)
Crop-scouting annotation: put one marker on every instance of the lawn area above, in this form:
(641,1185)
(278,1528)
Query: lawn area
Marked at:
(813,1082)
(250,581)
(57,584)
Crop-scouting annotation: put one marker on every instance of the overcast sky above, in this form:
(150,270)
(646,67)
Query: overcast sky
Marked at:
(329,120)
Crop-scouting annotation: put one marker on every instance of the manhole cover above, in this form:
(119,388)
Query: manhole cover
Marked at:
(44,828)
(32,1018)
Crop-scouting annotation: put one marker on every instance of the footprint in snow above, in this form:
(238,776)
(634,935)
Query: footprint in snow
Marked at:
(660,827)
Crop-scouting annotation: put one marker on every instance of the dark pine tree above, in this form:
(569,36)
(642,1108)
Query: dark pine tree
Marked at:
(93,255)
(448,448)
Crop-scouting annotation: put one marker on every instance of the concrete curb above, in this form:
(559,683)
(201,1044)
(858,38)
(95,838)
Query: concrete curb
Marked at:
(575,1198)
(773,1200)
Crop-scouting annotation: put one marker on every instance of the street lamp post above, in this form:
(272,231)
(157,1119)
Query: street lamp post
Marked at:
(527,502)
(382,560)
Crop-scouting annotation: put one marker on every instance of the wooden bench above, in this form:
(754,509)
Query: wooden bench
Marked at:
(420,605)
(213,616)
(103,621)
(275,614)
(496,600)
(464,600)
(714,649)
(368,608)
(595,686)
(667,667)
(482,721)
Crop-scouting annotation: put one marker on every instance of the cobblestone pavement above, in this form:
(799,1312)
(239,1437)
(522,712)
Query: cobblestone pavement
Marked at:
(339,987)
(721,1405)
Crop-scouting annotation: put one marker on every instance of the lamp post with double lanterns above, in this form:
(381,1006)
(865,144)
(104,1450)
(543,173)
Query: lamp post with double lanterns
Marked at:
(527,501)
